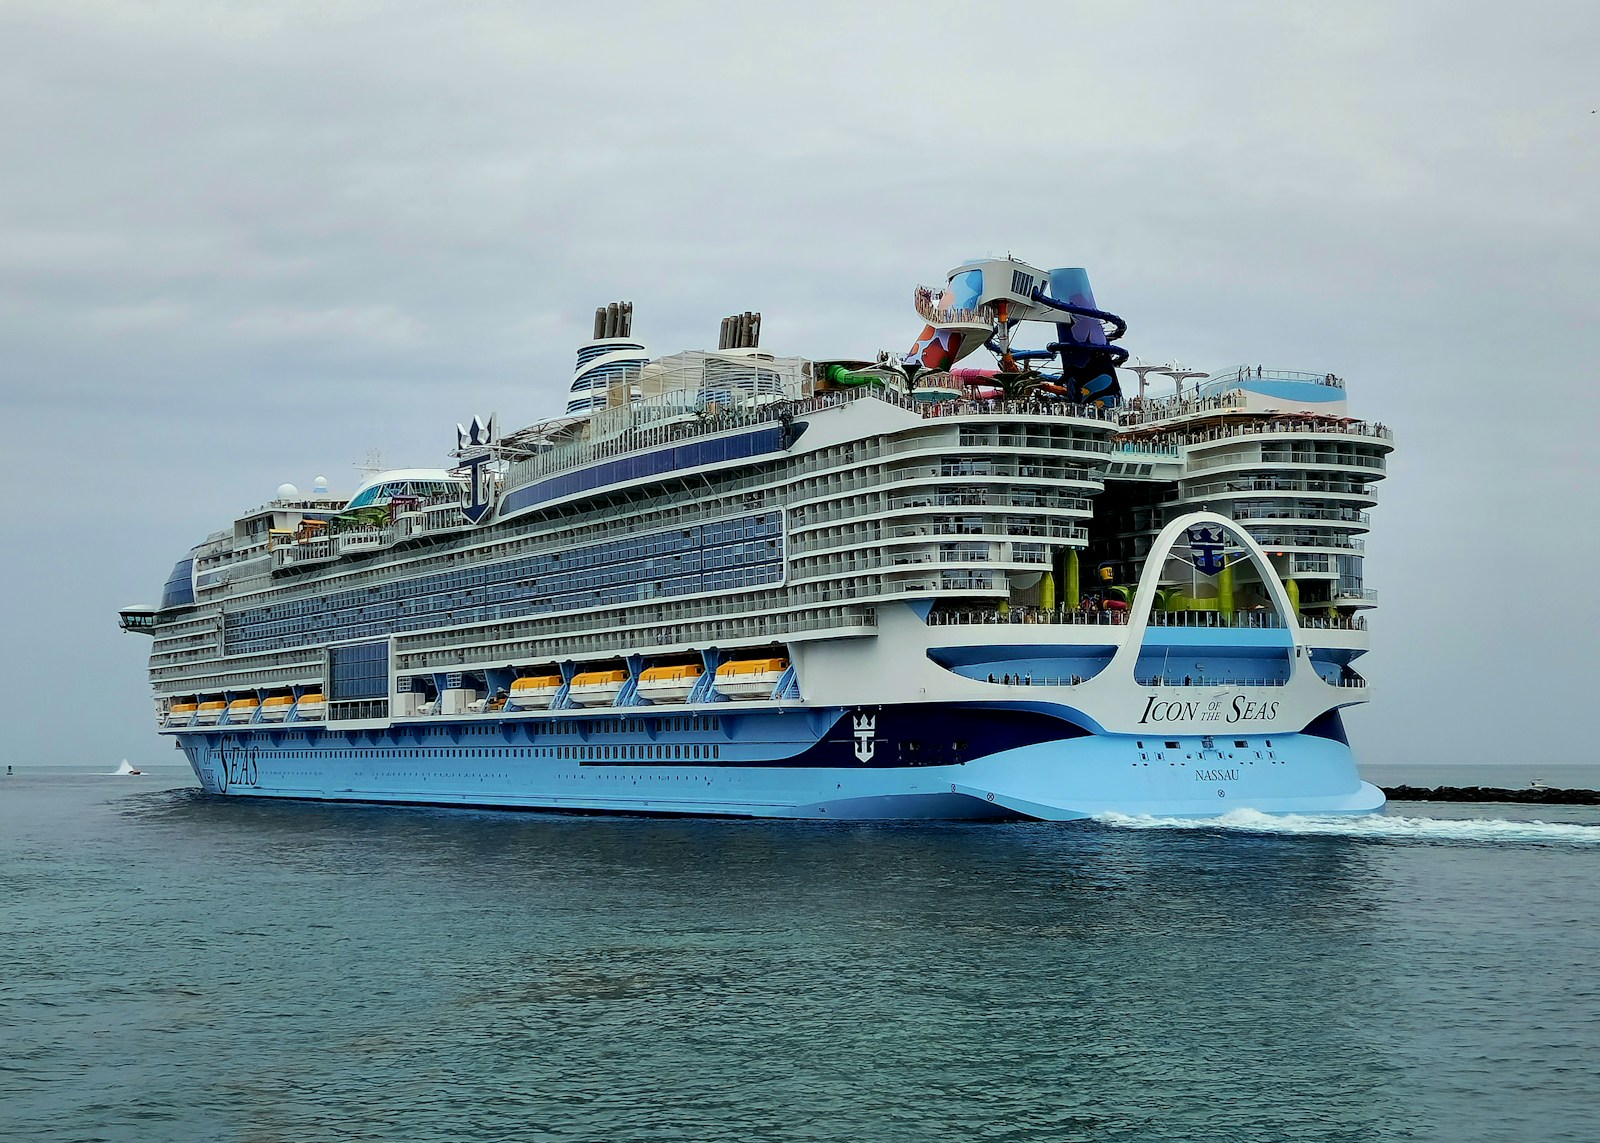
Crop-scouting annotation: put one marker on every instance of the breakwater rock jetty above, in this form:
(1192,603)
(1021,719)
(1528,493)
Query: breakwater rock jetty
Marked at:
(1536,795)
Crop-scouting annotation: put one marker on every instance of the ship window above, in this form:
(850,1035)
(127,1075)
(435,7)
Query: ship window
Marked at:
(1172,746)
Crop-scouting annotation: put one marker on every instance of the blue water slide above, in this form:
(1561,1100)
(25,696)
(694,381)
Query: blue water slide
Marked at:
(1088,359)
(1084,311)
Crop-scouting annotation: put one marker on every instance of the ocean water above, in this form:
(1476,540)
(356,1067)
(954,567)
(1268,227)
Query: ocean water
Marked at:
(178,967)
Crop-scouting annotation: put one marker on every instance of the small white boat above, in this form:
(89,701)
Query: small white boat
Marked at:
(275,708)
(750,678)
(128,769)
(669,684)
(533,692)
(597,688)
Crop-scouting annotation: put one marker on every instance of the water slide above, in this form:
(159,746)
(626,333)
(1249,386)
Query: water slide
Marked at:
(1084,347)
(839,375)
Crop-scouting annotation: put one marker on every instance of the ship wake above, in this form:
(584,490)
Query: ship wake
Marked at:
(1376,827)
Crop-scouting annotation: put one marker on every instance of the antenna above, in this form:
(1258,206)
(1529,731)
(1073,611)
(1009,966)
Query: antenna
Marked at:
(372,465)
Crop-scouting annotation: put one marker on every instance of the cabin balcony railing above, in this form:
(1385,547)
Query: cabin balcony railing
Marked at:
(999,530)
(1368,594)
(1249,514)
(1298,459)
(1267,426)
(1353,489)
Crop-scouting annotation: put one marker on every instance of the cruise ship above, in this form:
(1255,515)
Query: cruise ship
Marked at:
(975,579)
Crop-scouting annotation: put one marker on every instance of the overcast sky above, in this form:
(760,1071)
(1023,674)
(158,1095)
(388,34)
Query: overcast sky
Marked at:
(245,243)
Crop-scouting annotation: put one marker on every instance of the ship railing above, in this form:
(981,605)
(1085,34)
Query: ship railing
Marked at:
(1016,407)
(1143,450)
(1207,682)
(1311,622)
(1354,488)
(1180,438)
(861,452)
(1279,541)
(1079,616)
(1026,615)
(692,423)
(1026,499)
(1369,594)
(1250,514)
(1136,412)
(1255,373)
(624,640)
(937,533)
(1294,457)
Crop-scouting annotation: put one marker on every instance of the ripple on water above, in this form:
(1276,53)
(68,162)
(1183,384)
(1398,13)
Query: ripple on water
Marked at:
(184,967)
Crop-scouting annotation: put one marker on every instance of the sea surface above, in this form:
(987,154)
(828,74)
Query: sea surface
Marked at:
(180,967)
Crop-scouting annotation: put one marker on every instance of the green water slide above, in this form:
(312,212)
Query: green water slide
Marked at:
(839,375)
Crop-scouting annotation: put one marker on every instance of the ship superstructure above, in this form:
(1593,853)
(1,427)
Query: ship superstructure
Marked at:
(734,582)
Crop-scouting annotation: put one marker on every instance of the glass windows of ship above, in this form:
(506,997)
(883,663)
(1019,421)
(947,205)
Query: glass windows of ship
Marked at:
(714,556)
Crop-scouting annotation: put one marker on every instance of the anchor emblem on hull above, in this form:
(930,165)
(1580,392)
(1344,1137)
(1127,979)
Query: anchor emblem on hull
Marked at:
(865,726)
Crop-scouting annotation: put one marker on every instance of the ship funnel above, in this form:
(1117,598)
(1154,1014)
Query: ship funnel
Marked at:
(740,331)
(613,320)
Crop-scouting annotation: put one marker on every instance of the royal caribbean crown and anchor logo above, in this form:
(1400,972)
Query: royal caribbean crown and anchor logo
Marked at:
(475,449)
(864,728)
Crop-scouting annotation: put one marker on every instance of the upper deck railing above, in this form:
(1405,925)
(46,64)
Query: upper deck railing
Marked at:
(691,424)
(1242,373)
(1266,426)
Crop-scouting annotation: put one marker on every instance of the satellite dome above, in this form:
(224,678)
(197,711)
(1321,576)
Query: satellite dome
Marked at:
(319,484)
(287,492)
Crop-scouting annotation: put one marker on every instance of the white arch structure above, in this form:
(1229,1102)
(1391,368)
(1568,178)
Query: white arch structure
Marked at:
(1127,655)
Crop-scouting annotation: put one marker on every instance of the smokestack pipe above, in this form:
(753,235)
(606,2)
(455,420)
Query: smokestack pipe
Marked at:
(599,322)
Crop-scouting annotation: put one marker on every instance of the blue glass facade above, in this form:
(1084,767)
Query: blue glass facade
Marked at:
(359,672)
(179,588)
(726,555)
(658,463)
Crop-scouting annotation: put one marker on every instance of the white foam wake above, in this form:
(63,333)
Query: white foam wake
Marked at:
(1378,827)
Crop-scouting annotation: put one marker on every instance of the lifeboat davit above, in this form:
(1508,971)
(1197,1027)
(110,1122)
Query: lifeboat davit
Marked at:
(669,684)
(750,678)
